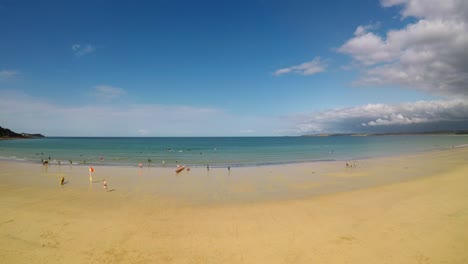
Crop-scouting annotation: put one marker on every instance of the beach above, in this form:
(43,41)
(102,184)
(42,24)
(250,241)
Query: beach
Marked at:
(410,208)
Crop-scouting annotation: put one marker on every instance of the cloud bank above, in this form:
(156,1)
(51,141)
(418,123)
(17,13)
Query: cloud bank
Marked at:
(24,113)
(428,55)
(414,116)
(307,68)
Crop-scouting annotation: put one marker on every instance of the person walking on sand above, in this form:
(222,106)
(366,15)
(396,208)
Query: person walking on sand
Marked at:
(104,184)
(62,181)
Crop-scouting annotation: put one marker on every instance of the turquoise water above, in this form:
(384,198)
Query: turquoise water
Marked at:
(220,151)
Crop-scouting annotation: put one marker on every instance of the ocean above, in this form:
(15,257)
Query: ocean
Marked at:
(219,151)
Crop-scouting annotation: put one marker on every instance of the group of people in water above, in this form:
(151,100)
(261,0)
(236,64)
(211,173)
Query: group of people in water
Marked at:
(59,162)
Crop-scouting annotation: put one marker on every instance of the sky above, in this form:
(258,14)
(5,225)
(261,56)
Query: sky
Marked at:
(233,68)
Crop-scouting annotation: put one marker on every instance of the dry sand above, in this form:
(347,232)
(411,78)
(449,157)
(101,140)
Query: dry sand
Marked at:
(406,209)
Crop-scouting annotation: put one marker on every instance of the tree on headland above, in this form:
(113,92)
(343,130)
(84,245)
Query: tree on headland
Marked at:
(7,133)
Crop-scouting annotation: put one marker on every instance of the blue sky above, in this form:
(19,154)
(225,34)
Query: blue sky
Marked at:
(231,68)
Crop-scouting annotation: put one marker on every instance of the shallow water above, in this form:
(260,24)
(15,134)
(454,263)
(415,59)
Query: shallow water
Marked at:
(219,151)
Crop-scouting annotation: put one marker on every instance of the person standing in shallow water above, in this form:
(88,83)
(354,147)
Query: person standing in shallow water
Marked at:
(207,167)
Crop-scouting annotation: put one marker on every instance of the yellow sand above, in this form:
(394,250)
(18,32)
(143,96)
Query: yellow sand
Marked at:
(407,209)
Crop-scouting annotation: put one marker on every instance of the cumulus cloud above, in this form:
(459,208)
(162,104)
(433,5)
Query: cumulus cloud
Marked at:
(414,116)
(6,74)
(363,29)
(107,92)
(82,49)
(428,55)
(307,68)
(433,9)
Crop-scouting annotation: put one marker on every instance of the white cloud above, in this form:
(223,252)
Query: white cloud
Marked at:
(420,115)
(143,132)
(83,49)
(107,92)
(247,131)
(6,74)
(428,55)
(432,9)
(361,30)
(307,68)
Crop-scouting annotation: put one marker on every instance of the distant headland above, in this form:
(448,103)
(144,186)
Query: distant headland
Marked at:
(445,132)
(6,133)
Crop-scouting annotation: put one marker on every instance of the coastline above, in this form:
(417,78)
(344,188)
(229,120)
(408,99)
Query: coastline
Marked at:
(219,152)
(402,209)
(252,183)
(239,165)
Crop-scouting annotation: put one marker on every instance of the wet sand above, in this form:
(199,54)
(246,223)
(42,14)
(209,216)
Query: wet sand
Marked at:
(405,209)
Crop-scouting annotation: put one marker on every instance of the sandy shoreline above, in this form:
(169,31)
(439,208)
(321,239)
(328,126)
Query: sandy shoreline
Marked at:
(405,209)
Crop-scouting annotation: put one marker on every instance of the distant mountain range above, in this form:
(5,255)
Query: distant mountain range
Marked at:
(447,132)
(6,133)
